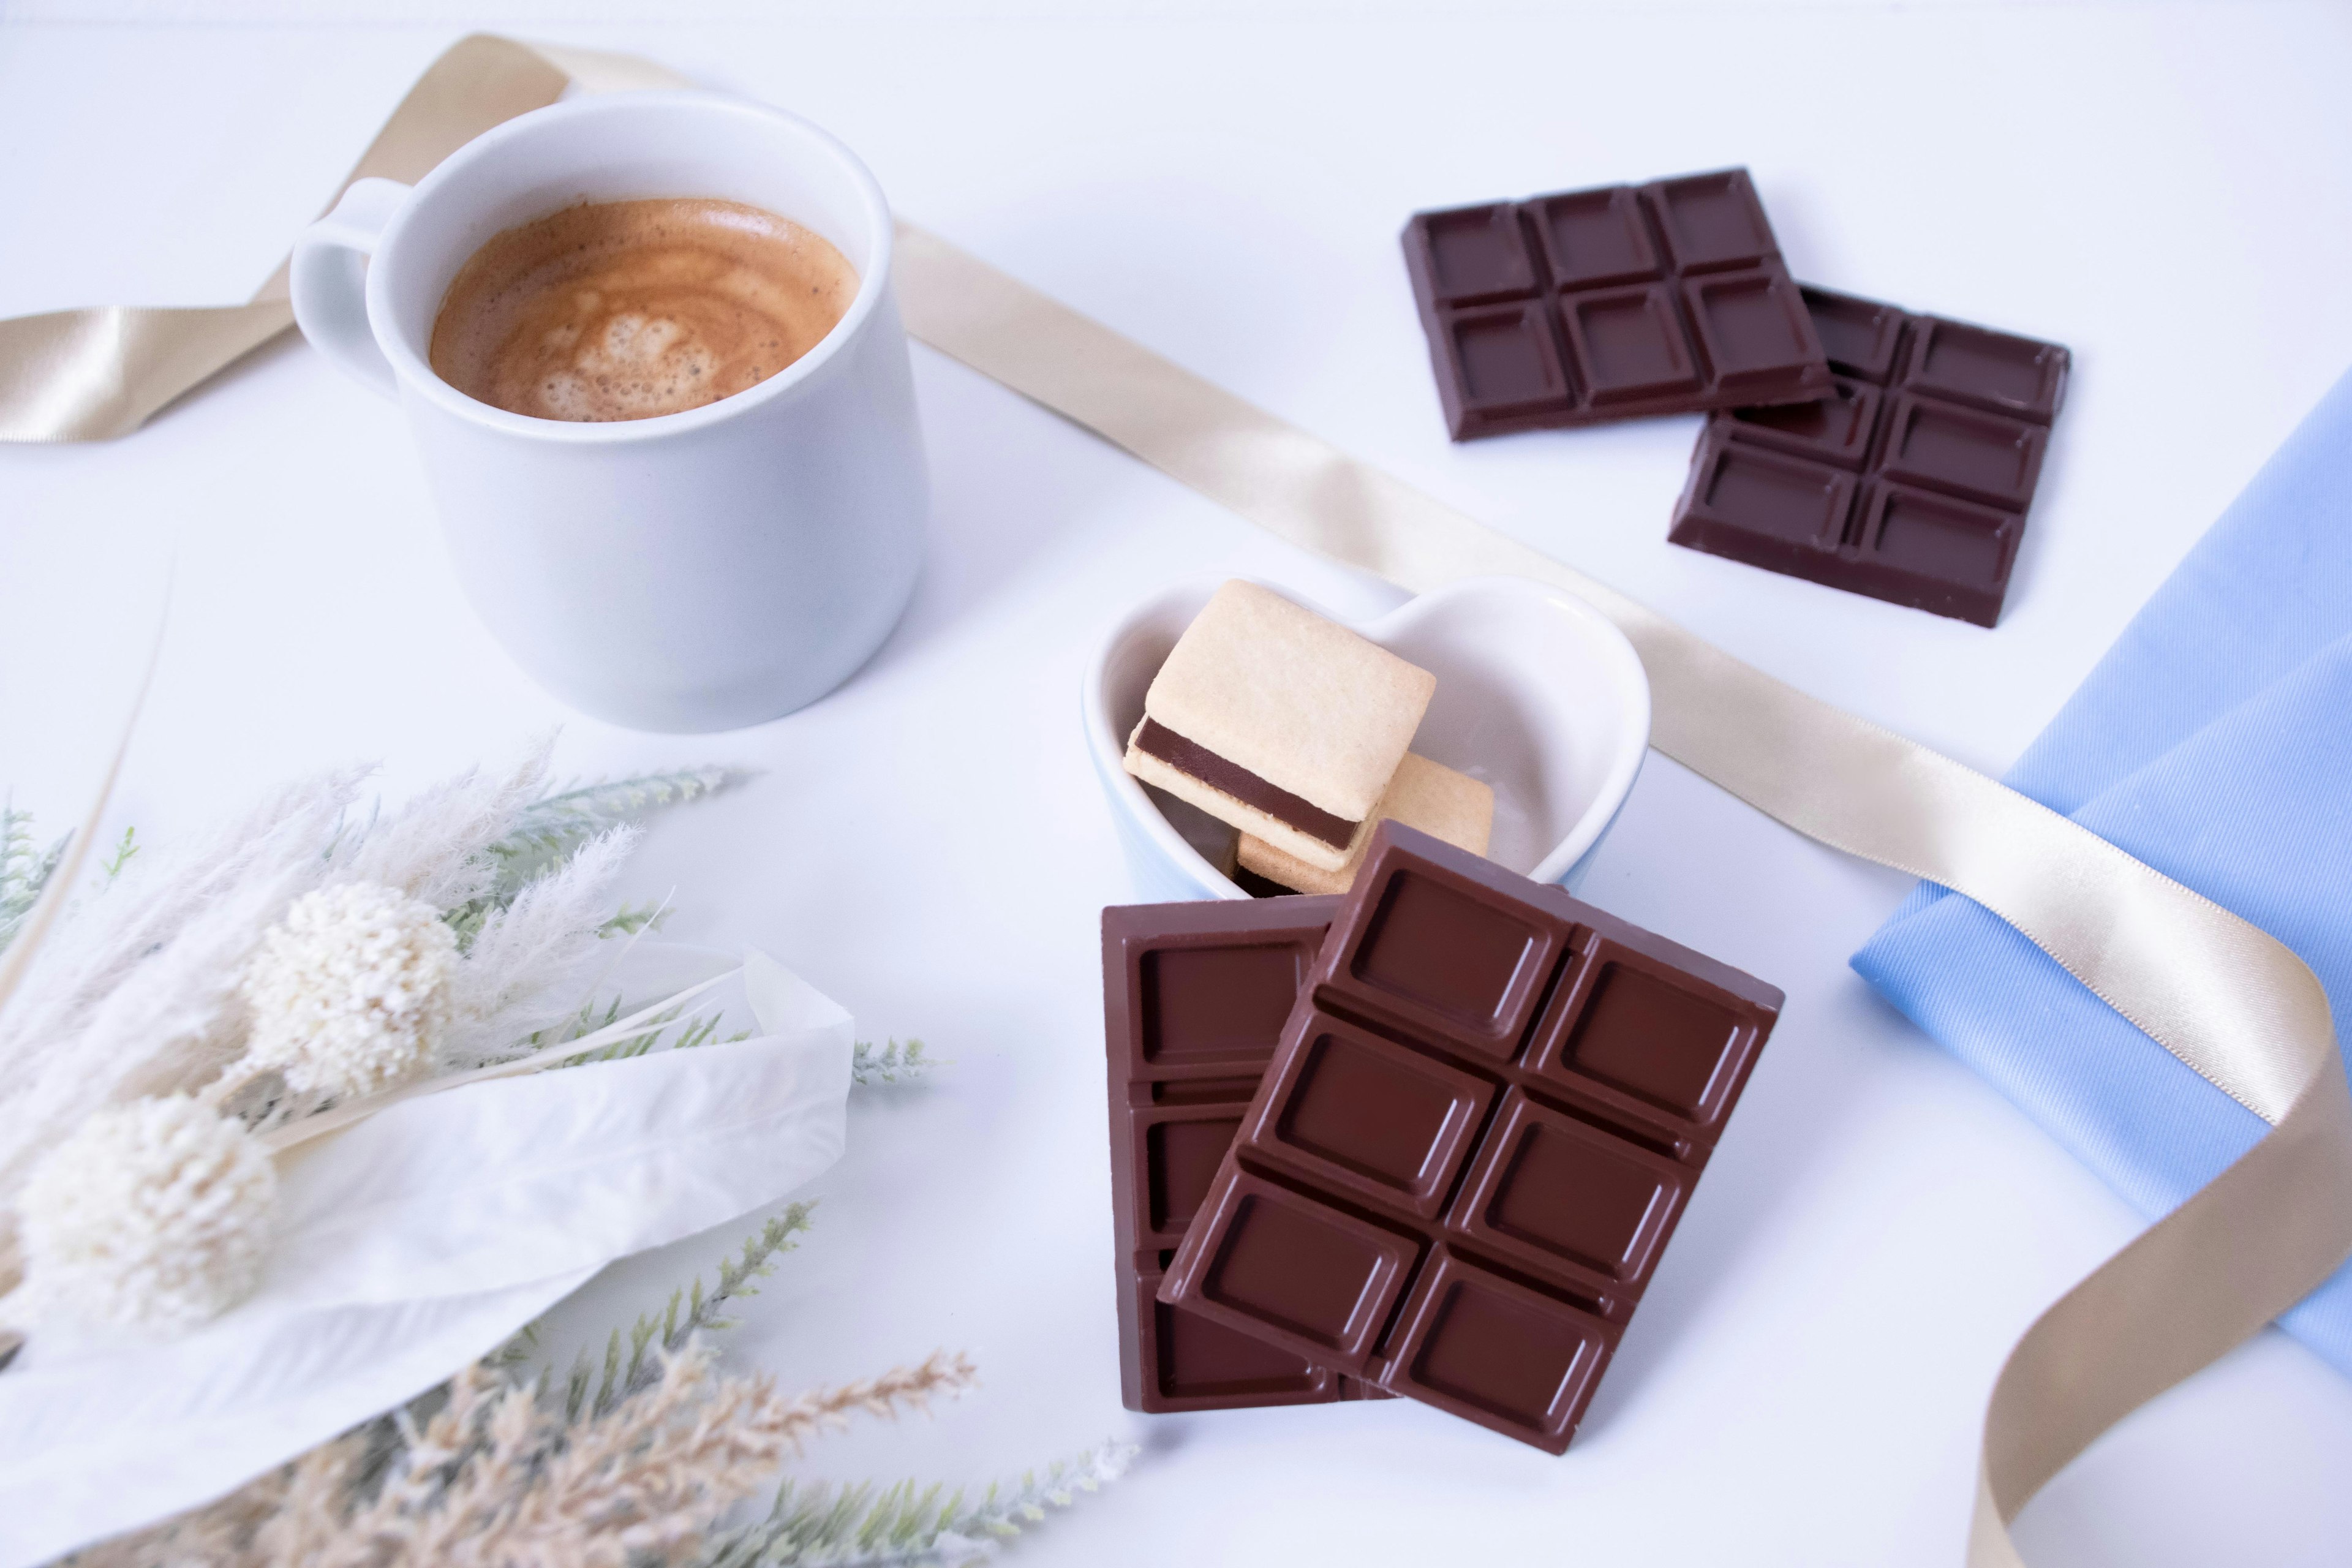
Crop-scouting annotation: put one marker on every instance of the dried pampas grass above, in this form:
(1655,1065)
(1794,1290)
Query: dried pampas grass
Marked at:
(135,992)
(495,1479)
(492,1470)
(138,991)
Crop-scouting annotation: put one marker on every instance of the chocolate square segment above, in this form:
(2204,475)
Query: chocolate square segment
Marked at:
(1945,424)
(1581,306)
(1495,1352)
(1435,951)
(1650,1042)
(1182,1148)
(1988,457)
(1986,370)
(1477,254)
(1862,337)
(1629,345)
(1569,1193)
(1713,221)
(1765,503)
(1217,1004)
(1649,1039)
(1365,1114)
(1488,1111)
(1752,329)
(1504,357)
(1595,238)
(1199,1363)
(1835,429)
(1937,551)
(1305,1273)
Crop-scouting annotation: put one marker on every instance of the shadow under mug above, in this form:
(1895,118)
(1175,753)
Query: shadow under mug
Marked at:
(698,570)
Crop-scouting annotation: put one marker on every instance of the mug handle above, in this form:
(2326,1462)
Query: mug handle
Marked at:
(329,281)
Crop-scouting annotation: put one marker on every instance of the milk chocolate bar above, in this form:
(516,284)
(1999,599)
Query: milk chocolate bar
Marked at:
(1909,482)
(1489,1108)
(1279,723)
(1614,303)
(1194,996)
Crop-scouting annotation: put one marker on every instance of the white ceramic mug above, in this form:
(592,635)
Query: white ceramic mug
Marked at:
(698,570)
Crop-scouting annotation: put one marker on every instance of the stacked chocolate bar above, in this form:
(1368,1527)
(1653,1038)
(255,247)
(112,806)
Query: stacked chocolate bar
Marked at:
(1428,1139)
(1849,442)
(1425,1134)
(1293,731)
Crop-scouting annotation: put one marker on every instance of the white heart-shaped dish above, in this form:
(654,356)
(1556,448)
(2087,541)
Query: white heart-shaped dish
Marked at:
(1538,694)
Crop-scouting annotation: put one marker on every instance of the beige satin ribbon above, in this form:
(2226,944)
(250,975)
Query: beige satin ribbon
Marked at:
(97,374)
(2222,996)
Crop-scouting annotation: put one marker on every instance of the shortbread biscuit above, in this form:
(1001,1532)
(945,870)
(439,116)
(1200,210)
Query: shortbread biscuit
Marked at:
(1278,722)
(1424,794)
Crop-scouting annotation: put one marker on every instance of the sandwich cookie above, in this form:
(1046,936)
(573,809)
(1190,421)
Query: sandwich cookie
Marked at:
(1429,796)
(1279,723)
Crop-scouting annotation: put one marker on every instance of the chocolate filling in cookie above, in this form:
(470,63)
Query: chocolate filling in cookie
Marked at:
(1156,740)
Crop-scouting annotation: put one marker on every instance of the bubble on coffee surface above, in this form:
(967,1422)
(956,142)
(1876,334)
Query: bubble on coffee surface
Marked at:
(633,310)
(637,367)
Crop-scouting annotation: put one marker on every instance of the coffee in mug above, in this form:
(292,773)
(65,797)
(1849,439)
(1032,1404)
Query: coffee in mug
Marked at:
(730,518)
(630,310)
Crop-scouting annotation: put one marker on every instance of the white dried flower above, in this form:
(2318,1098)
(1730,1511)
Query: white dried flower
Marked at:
(351,990)
(152,1216)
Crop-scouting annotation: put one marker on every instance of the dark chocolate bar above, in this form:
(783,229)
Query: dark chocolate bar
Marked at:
(1487,1111)
(1909,482)
(1194,997)
(1588,306)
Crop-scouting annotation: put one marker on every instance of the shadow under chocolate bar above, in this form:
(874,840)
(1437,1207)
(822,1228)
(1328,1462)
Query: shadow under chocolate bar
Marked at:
(1489,1107)
(1588,306)
(1909,482)
(1194,998)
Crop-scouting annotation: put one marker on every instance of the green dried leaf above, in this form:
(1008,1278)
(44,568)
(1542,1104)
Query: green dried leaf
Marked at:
(892,1063)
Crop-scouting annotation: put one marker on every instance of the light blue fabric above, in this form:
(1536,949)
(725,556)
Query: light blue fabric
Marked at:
(2214,742)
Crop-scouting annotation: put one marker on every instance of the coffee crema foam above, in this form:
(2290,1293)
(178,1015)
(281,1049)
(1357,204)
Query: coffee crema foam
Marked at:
(631,310)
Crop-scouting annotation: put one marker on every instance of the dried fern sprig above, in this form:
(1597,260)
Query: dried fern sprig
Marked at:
(941,1375)
(494,1480)
(25,870)
(691,1309)
(858,1526)
(550,829)
(631,919)
(313,1496)
(483,1473)
(521,1487)
(892,1063)
(124,850)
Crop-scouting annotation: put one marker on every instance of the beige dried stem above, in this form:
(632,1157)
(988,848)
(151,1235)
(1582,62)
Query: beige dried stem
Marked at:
(496,1479)
(18,958)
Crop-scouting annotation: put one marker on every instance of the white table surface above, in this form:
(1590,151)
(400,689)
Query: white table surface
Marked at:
(2162,187)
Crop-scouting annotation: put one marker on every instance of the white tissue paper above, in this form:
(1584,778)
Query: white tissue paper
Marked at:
(419,1239)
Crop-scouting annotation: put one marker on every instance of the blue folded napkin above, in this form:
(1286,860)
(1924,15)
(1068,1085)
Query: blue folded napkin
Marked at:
(2213,742)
